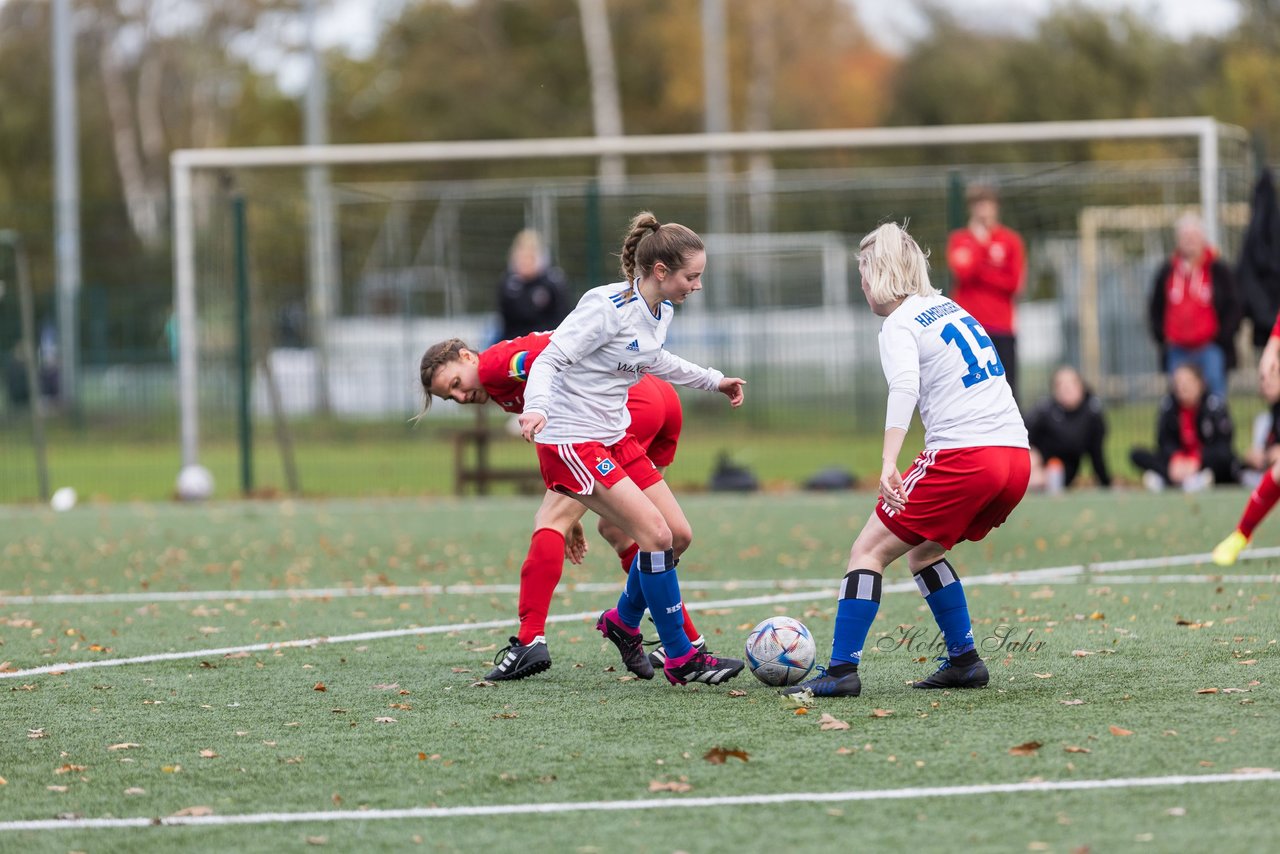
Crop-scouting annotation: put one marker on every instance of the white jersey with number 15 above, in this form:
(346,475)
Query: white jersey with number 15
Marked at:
(933,349)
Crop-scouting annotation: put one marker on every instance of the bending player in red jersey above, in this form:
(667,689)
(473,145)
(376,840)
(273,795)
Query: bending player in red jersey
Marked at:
(1267,492)
(972,473)
(452,370)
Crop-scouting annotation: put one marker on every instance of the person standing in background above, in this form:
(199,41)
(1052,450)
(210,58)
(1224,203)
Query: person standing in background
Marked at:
(533,295)
(988,267)
(1194,308)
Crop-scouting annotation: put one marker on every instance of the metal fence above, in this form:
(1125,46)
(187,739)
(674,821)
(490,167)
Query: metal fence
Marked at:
(420,260)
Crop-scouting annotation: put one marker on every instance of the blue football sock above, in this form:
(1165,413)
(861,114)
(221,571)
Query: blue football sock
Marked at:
(631,603)
(941,589)
(657,578)
(859,602)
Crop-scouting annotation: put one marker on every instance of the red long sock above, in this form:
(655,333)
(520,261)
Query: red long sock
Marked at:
(1264,497)
(539,576)
(627,557)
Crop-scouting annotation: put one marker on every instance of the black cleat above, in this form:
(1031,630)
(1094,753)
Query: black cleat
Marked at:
(701,667)
(518,661)
(630,643)
(827,684)
(949,675)
(658,658)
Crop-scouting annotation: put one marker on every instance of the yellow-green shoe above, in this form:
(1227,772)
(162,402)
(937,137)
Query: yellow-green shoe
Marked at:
(1226,552)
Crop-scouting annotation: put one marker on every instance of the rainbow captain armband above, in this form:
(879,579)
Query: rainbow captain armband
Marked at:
(519,367)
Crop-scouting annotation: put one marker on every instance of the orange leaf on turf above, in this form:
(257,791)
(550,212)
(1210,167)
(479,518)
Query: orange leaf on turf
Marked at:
(1115,730)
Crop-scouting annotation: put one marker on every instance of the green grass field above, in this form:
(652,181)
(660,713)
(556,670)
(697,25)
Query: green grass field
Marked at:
(1107,666)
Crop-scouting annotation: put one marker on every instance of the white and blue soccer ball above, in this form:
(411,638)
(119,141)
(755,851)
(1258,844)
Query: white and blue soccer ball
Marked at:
(780,651)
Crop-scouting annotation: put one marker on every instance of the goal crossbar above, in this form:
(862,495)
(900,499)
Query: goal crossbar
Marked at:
(1206,130)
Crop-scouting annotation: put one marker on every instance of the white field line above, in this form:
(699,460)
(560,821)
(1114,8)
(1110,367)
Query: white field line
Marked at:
(391,591)
(504,810)
(1049,575)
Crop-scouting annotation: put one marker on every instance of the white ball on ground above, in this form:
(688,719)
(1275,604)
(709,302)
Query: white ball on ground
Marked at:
(195,483)
(63,499)
(780,651)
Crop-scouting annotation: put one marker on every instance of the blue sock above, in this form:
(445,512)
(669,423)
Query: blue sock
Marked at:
(657,574)
(941,589)
(859,602)
(631,603)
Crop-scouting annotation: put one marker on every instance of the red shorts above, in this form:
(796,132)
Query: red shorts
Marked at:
(958,494)
(575,469)
(656,418)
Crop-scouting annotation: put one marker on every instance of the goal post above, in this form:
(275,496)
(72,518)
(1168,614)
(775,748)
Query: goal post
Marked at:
(1204,132)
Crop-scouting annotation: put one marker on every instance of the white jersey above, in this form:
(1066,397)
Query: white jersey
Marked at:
(937,356)
(580,382)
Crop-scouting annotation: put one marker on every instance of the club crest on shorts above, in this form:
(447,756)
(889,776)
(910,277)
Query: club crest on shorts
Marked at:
(605,466)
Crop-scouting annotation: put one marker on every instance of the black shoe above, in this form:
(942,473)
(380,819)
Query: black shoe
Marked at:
(704,668)
(950,675)
(518,661)
(658,658)
(630,644)
(827,684)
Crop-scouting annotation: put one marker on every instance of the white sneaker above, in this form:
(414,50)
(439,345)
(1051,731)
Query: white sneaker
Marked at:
(1199,481)
(1152,481)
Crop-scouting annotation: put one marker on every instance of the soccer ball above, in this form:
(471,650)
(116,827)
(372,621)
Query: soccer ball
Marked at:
(780,651)
(195,483)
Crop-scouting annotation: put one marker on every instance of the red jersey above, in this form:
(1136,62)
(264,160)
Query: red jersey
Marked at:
(987,275)
(1190,319)
(504,367)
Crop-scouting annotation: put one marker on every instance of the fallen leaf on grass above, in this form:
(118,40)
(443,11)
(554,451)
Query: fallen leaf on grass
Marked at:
(194,812)
(37,733)
(384,720)
(1176,811)
(737,692)
(65,769)
(483,683)
(718,755)
(1080,653)
(402,706)
(800,698)
(1235,690)
(1248,661)
(1043,675)
(506,716)
(456,670)
(1072,702)
(208,754)
(135,790)
(881,713)
(1071,748)
(1207,691)
(802,711)
(829,722)
(672,786)
(56,788)
(124,745)
(1028,748)
(844,751)
(236,655)
(319,686)
(1115,730)
(3,782)
(170,769)
(1097,615)
(317,840)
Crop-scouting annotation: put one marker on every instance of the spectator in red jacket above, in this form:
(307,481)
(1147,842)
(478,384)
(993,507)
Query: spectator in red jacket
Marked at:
(988,265)
(1194,308)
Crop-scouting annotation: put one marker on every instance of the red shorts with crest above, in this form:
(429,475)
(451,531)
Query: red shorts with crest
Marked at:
(656,418)
(956,494)
(576,469)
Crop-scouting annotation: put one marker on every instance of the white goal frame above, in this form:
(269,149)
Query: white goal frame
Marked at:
(183,163)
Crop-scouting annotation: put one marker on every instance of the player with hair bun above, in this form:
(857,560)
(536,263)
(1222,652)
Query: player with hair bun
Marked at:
(450,369)
(576,410)
(969,478)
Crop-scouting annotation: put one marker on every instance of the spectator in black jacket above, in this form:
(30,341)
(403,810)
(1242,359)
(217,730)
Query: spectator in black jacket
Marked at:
(1193,438)
(1063,429)
(533,296)
(1194,310)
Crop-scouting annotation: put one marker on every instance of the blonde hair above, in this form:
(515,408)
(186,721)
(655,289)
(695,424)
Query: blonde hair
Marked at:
(437,355)
(649,242)
(527,240)
(893,264)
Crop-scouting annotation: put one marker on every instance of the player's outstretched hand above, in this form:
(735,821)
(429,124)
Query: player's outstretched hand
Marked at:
(731,387)
(575,545)
(531,424)
(891,491)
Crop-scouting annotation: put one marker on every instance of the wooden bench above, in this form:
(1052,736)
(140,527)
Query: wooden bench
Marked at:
(471,467)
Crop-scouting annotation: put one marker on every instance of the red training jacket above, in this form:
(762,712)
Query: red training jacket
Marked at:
(986,276)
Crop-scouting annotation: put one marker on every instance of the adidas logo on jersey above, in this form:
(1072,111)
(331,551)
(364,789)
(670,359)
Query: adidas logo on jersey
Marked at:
(634,346)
